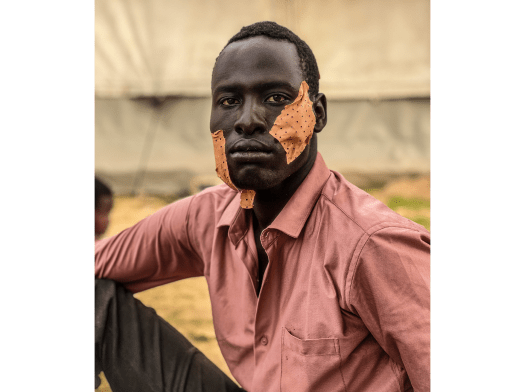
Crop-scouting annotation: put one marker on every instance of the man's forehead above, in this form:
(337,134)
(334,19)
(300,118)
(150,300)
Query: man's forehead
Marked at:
(259,43)
(257,54)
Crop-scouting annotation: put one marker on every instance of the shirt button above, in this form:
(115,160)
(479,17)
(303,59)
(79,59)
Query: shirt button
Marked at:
(264,340)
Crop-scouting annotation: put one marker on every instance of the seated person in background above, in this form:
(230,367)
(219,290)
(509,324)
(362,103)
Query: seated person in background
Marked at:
(103,206)
(314,284)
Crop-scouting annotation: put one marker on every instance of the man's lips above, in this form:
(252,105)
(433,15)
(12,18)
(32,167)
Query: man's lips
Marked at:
(250,150)
(247,145)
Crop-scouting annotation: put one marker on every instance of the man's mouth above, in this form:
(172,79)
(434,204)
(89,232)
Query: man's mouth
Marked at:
(250,150)
(249,145)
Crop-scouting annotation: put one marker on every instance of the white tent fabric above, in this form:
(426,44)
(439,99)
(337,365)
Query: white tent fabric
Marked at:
(153,64)
(365,48)
(160,148)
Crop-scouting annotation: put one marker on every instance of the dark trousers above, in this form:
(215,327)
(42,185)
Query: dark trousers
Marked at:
(139,351)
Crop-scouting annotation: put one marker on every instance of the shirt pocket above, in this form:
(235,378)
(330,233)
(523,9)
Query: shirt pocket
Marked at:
(310,364)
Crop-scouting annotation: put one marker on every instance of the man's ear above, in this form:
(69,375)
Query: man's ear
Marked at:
(319,108)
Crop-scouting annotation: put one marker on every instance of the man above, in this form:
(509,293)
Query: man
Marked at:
(314,284)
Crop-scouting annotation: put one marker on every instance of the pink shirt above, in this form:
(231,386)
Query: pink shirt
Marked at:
(345,299)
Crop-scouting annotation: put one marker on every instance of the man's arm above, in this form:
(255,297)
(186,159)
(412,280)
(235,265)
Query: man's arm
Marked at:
(155,251)
(390,291)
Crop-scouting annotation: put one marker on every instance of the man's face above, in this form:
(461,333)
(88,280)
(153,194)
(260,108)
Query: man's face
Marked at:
(253,80)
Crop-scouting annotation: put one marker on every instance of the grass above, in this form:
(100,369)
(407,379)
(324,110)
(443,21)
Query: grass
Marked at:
(409,203)
(186,304)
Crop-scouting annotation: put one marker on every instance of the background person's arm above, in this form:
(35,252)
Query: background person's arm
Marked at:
(155,251)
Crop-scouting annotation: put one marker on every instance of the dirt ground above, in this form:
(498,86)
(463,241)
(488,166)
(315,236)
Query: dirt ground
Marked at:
(186,304)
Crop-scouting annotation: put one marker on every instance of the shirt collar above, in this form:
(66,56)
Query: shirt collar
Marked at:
(231,211)
(292,218)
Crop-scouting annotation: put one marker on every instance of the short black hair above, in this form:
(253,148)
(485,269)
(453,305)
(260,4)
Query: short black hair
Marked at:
(275,31)
(101,189)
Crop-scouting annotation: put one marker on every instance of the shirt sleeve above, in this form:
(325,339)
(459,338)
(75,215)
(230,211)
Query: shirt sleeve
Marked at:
(390,291)
(155,251)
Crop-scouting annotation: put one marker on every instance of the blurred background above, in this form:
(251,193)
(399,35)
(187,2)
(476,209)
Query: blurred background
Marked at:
(153,64)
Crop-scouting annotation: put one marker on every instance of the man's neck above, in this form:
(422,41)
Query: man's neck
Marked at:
(269,203)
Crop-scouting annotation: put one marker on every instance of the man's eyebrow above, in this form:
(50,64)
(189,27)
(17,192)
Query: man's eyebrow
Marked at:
(275,84)
(227,87)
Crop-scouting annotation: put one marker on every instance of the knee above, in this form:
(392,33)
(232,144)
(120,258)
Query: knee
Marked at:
(104,285)
(109,292)
(105,292)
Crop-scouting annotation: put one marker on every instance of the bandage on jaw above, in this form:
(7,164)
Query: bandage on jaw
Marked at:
(221,167)
(295,125)
(293,128)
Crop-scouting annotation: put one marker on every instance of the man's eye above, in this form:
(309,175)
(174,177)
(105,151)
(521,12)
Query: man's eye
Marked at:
(229,101)
(276,98)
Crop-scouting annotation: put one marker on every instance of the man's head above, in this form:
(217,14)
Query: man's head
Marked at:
(272,30)
(103,206)
(257,74)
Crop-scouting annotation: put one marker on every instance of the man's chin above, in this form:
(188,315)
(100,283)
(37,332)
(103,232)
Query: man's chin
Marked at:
(252,183)
(247,185)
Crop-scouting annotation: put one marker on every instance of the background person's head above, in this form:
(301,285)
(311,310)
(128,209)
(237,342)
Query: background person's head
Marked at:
(256,75)
(103,206)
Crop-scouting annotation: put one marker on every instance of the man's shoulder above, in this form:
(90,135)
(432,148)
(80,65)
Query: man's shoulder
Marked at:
(212,202)
(220,191)
(362,209)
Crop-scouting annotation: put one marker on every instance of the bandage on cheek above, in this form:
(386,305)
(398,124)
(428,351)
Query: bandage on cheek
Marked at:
(221,167)
(295,125)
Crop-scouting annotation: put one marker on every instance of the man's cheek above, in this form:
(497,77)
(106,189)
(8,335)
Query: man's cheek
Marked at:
(294,127)
(221,167)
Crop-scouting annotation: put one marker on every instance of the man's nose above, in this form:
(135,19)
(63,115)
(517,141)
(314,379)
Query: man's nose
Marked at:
(251,118)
